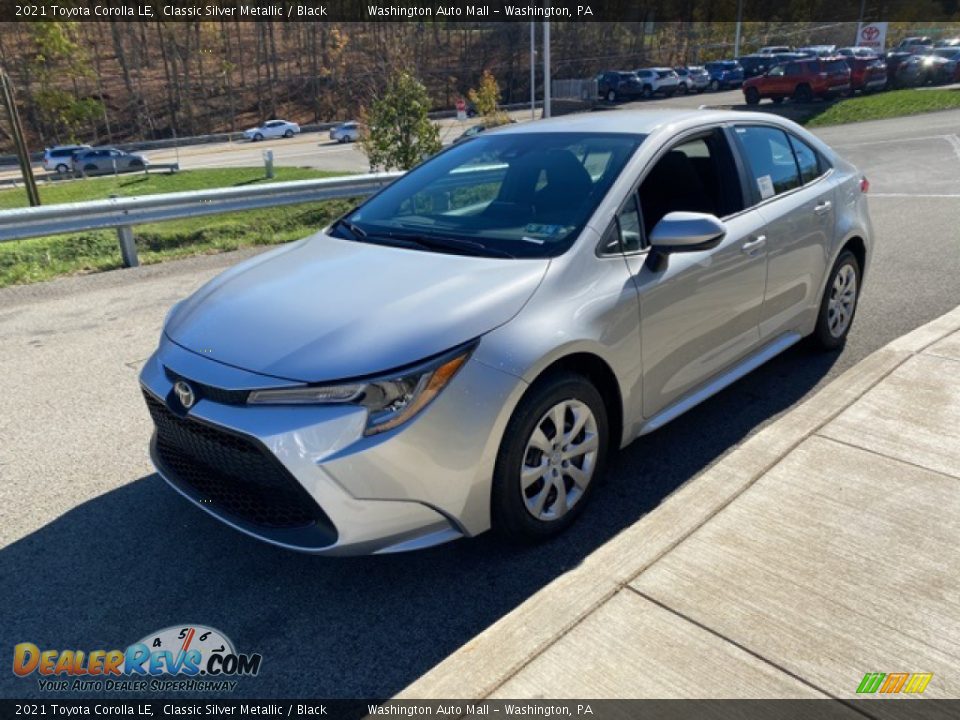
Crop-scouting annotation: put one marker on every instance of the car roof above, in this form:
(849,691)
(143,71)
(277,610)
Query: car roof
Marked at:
(637,122)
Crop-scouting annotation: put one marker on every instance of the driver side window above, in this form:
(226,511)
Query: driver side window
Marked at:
(696,175)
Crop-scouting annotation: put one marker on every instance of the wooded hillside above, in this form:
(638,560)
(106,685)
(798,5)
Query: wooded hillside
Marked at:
(103,82)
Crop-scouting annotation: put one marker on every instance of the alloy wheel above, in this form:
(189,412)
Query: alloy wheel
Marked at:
(843,299)
(559,460)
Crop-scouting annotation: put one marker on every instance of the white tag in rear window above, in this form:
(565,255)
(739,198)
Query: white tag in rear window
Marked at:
(765,184)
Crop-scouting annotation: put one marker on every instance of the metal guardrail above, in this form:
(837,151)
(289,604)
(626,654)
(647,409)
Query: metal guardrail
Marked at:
(126,212)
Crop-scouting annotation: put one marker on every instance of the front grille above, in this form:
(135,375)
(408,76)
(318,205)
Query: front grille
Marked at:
(232,472)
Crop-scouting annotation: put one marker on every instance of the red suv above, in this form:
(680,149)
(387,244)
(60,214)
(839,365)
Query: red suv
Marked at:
(866,73)
(802,80)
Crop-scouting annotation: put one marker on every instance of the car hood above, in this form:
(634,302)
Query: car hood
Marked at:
(327,309)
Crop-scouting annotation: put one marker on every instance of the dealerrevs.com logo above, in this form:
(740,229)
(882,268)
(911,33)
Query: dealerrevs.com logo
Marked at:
(177,658)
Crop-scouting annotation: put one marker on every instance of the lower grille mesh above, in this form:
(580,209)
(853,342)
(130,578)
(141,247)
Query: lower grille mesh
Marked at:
(235,474)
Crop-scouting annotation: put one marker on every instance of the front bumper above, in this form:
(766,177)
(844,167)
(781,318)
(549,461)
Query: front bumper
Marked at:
(305,477)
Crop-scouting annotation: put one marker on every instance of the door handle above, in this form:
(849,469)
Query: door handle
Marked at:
(752,246)
(823,207)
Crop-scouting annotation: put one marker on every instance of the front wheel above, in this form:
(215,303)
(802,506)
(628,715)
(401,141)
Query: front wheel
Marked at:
(839,303)
(803,94)
(258,137)
(715,85)
(288,134)
(551,456)
(752,96)
(647,92)
(62,169)
(611,96)
(682,89)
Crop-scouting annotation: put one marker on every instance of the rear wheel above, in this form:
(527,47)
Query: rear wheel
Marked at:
(647,92)
(682,88)
(258,137)
(611,96)
(551,456)
(752,96)
(839,303)
(715,85)
(62,169)
(288,134)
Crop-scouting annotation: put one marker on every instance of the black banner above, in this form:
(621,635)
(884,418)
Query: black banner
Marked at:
(479,11)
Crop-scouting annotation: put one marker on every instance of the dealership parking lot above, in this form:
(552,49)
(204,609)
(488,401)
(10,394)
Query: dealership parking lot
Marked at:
(98,552)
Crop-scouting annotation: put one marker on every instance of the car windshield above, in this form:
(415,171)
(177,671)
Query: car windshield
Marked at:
(517,195)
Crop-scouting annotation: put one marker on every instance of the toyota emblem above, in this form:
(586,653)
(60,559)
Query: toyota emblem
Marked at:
(184,394)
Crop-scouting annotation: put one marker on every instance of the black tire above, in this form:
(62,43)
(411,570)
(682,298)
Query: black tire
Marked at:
(510,517)
(715,85)
(822,337)
(647,92)
(682,89)
(752,96)
(803,94)
(258,137)
(62,169)
(288,134)
(611,95)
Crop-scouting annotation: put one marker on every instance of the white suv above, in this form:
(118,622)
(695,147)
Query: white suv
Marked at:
(60,157)
(658,80)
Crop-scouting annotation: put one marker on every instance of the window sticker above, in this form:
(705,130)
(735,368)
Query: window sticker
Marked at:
(765,184)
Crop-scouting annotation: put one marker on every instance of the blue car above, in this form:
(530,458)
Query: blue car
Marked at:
(724,74)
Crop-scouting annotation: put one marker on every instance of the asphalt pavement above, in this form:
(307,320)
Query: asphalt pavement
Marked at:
(96,551)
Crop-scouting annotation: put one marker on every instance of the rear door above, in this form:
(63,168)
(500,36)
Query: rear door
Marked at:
(793,189)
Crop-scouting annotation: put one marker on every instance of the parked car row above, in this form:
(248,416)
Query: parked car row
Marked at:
(853,69)
(779,71)
(86,160)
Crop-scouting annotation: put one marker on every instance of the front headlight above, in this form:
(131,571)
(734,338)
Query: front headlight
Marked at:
(390,401)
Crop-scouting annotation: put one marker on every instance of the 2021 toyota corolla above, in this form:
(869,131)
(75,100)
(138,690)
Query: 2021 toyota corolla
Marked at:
(462,350)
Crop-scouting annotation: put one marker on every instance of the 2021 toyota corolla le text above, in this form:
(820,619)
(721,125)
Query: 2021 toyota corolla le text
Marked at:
(462,350)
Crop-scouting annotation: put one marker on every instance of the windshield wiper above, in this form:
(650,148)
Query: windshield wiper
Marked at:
(459,245)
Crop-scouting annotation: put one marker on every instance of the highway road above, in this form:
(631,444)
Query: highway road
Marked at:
(97,552)
(315,150)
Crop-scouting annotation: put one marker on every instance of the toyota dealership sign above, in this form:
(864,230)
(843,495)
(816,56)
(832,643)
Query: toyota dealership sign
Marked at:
(872,35)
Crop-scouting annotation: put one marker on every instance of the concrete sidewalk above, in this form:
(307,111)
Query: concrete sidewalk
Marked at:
(824,547)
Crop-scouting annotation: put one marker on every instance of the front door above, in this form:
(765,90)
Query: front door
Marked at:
(699,310)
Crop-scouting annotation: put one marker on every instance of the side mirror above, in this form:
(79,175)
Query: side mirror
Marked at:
(687,232)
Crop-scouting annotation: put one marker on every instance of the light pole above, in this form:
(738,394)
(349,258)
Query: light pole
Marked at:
(16,130)
(736,42)
(546,68)
(533,71)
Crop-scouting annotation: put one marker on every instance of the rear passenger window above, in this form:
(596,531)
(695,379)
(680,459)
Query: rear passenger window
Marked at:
(807,160)
(770,160)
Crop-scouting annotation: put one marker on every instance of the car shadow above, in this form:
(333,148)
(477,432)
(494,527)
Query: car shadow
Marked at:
(140,558)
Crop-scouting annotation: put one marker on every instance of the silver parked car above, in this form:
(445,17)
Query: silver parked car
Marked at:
(463,349)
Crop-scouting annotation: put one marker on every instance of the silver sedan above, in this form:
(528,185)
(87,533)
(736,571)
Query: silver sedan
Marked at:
(462,350)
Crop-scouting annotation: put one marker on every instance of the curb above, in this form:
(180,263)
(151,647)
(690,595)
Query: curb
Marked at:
(484,663)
